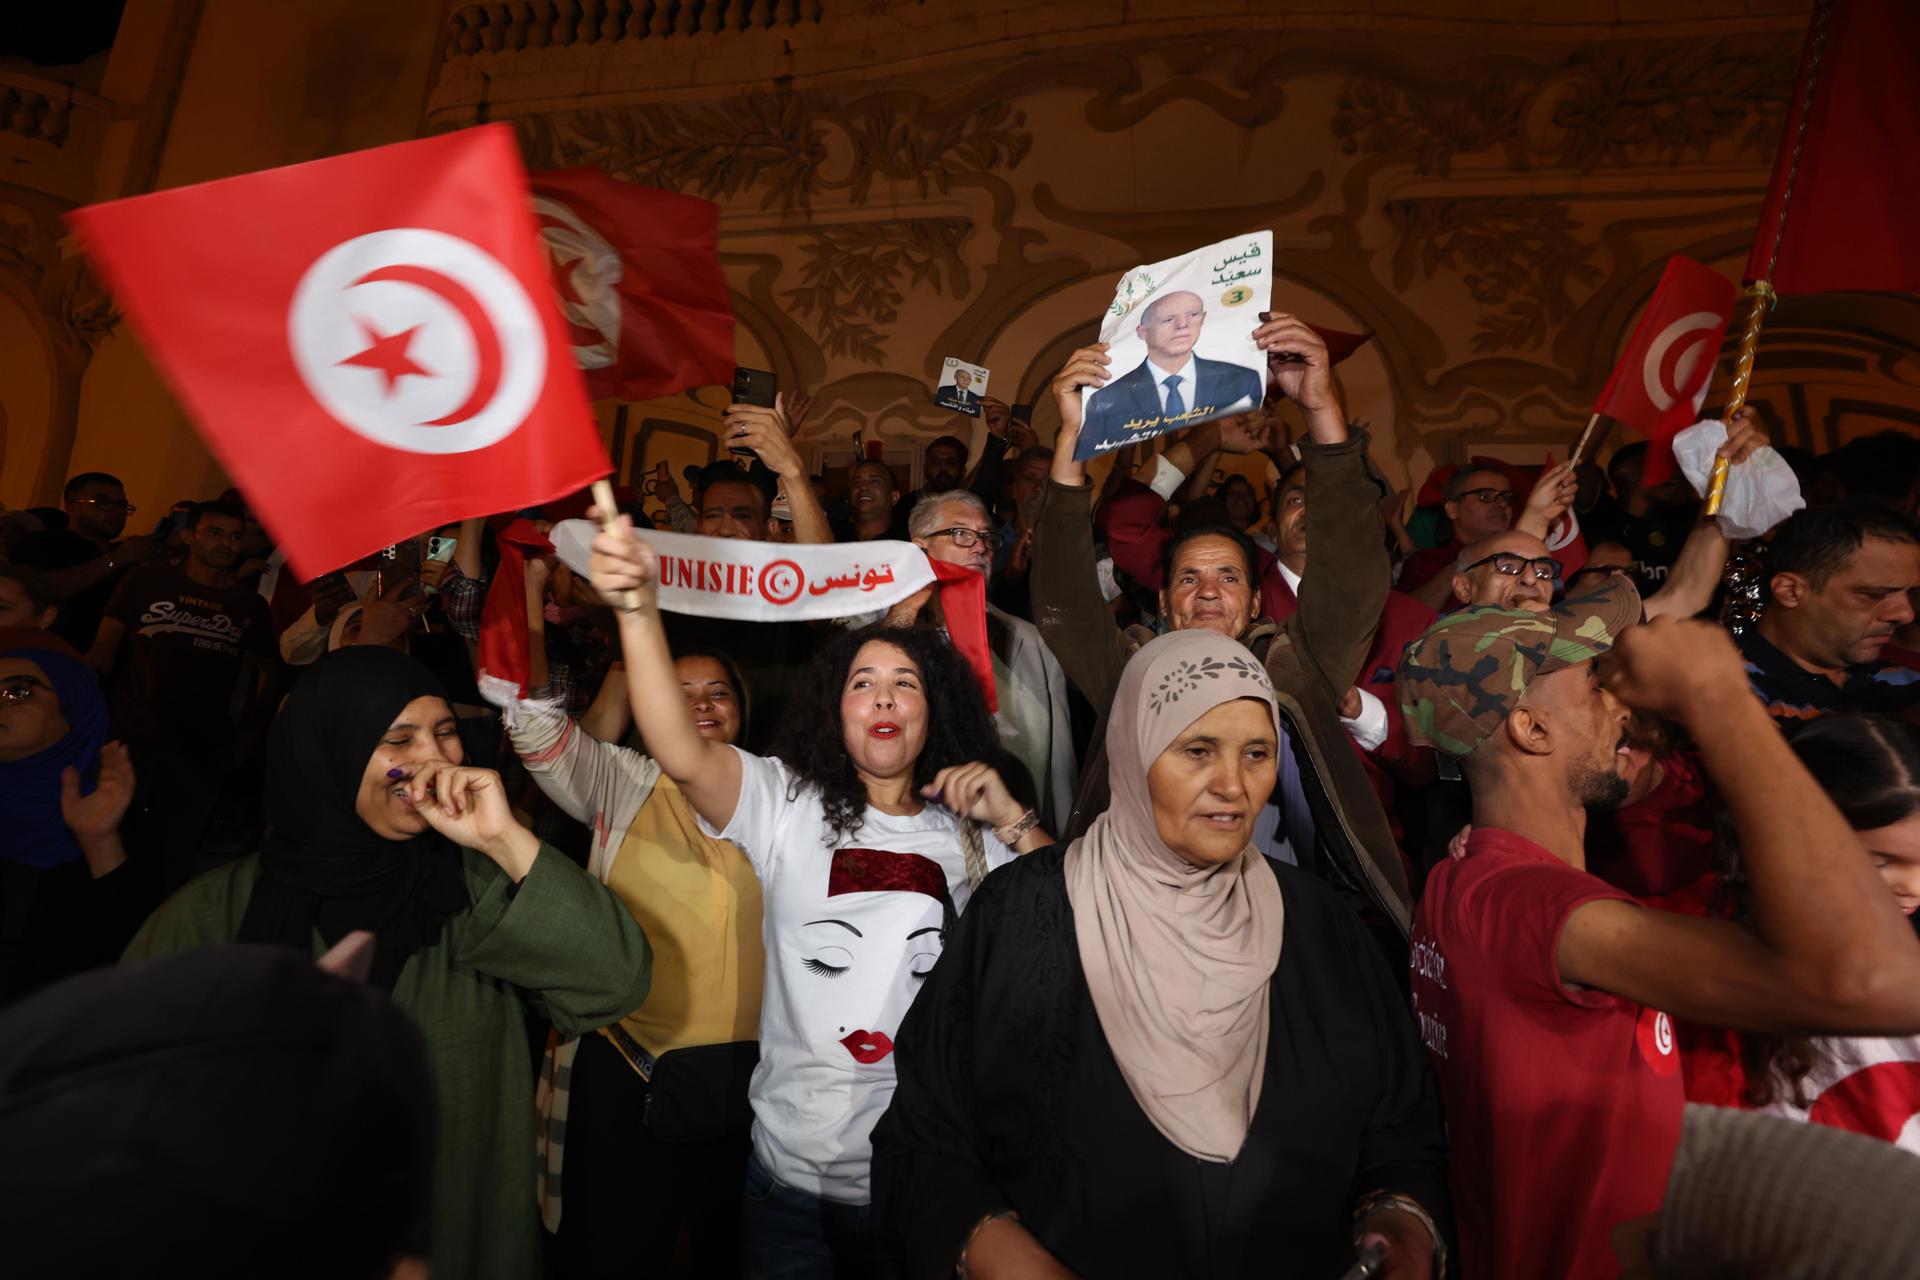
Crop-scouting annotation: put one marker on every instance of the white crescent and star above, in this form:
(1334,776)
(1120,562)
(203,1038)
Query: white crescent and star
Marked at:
(586,274)
(418,340)
(1677,368)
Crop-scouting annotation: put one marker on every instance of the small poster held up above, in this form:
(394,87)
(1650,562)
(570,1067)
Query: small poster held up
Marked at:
(961,386)
(1180,337)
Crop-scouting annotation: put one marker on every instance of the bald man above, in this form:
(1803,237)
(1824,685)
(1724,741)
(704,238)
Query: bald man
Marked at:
(1172,380)
(1512,570)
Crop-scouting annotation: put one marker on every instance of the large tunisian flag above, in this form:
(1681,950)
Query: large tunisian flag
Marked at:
(646,307)
(368,343)
(1661,380)
(1848,220)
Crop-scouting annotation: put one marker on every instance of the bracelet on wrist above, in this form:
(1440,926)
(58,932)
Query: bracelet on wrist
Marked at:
(960,1264)
(1379,1200)
(1010,834)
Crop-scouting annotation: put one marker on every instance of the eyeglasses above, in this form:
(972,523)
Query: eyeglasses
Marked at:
(18,689)
(964,537)
(1490,497)
(1545,568)
(111,504)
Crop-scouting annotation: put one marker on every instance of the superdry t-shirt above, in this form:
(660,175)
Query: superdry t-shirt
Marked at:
(182,676)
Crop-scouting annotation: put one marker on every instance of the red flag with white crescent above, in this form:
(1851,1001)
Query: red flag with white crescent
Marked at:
(638,278)
(368,344)
(1661,381)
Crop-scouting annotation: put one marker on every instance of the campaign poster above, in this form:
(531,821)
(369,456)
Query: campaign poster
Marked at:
(961,386)
(1180,337)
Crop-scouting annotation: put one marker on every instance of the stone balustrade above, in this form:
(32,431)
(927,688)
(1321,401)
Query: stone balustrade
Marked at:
(518,27)
(43,110)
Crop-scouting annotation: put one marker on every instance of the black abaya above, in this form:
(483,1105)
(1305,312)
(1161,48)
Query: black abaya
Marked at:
(1009,1098)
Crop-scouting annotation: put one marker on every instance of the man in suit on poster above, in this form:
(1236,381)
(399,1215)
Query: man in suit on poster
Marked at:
(957,395)
(1172,380)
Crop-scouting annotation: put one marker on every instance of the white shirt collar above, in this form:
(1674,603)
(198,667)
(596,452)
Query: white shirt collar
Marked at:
(1292,578)
(1185,373)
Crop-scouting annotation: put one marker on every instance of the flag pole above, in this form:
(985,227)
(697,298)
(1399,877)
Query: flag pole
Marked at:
(1761,291)
(1585,436)
(603,498)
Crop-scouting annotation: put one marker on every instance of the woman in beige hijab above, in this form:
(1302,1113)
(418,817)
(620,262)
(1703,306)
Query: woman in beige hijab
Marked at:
(1155,1052)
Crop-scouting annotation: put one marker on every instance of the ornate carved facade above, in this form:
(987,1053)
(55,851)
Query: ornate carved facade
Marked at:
(905,180)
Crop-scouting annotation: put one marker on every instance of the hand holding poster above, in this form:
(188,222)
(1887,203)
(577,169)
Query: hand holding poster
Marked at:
(1182,331)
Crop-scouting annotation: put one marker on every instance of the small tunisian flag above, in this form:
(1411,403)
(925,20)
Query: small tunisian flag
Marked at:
(368,343)
(646,308)
(1848,221)
(1661,380)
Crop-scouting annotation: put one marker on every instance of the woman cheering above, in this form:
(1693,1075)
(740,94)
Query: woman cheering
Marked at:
(666,1086)
(1154,1052)
(377,825)
(858,831)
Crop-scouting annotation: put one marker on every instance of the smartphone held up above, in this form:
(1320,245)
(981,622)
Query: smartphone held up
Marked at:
(755,387)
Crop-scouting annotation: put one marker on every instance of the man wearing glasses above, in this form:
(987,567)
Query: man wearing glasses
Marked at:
(1516,569)
(84,562)
(1481,504)
(1511,570)
(1035,725)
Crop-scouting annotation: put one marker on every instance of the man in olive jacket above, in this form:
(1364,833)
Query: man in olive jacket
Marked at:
(1313,659)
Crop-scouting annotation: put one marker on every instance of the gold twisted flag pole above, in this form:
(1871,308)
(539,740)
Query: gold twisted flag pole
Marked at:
(1761,291)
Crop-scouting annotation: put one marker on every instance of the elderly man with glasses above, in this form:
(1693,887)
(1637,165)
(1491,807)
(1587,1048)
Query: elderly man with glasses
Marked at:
(1511,570)
(1035,725)
(1517,569)
(1480,505)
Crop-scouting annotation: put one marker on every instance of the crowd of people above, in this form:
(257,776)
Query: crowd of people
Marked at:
(1519,886)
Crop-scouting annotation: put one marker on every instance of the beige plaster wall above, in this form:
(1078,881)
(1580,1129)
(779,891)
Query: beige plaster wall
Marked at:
(1491,189)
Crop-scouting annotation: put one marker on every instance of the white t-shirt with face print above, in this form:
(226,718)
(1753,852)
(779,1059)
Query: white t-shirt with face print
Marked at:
(843,965)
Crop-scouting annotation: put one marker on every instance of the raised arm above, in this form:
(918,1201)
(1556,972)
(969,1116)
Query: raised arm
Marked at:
(1345,586)
(1830,951)
(1072,615)
(580,773)
(1551,499)
(539,671)
(73,579)
(1702,561)
(765,431)
(609,717)
(466,548)
(708,772)
(1086,367)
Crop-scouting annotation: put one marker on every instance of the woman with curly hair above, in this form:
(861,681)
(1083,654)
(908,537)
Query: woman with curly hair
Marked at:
(861,829)
(1870,766)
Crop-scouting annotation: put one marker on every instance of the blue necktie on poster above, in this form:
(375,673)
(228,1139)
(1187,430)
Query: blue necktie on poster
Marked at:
(1182,328)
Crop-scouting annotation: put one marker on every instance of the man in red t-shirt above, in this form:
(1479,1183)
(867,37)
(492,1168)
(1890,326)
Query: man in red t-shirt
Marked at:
(1542,992)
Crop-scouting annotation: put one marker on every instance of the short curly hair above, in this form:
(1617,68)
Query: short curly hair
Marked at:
(812,744)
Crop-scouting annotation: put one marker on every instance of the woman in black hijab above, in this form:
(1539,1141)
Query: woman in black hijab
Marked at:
(378,824)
